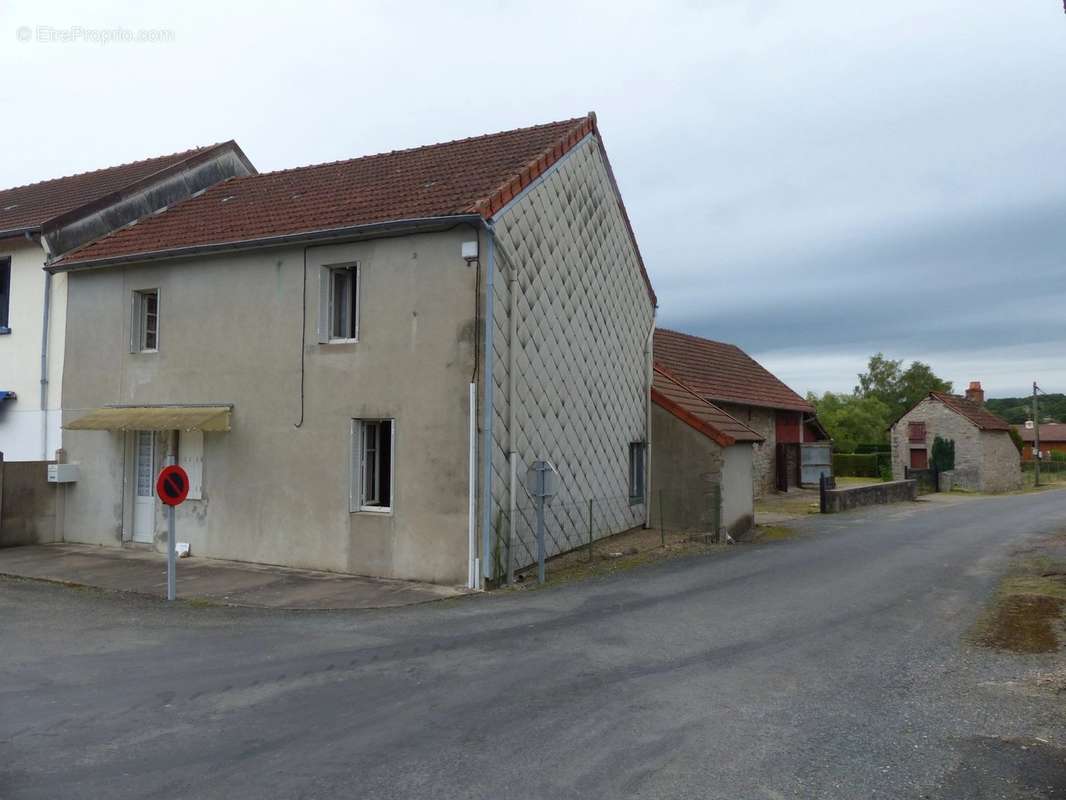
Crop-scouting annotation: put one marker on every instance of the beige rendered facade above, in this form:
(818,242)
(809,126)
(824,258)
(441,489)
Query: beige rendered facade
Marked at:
(243,329)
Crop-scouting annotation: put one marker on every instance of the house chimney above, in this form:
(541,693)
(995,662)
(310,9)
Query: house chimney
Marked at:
(976,393)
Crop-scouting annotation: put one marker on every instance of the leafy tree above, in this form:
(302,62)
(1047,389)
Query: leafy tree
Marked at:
(886,381)
(1017,439)
(943,455)
(1017,410)
(851,419)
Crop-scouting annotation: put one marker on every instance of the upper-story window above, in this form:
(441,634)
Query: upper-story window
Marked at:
(144,327)
(5,294)
(338,318)
(916,431)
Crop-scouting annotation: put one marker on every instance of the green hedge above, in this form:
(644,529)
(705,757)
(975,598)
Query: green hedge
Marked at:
(857,465)
(1045,466)
(866,449)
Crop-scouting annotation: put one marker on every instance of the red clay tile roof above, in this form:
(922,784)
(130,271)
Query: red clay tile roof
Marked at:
(723,372)
(1049,432)
(468,176)
(689,407)
(975,412)
(28,207)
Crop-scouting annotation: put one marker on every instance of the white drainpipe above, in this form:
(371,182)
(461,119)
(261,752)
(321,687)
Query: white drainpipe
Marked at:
(472,567)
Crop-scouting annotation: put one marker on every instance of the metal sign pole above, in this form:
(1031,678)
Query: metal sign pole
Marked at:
(171,555)
(541,469)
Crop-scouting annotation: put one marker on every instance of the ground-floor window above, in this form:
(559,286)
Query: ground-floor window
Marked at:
(372,448)
(636,472)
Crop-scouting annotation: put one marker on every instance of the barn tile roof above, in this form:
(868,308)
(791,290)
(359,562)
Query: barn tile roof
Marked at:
(27,208)
(671,394)
(1049,432)
(975,412)
(475,176)
(723,372)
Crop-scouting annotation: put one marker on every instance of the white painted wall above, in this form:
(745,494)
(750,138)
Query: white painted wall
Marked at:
(22,420)
(738,496)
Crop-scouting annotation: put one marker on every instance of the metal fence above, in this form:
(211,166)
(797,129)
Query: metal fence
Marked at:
(587,525)
(928,479)
(1050,471)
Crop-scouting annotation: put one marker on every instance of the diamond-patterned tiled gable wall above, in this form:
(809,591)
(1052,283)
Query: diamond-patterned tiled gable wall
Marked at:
(579,389)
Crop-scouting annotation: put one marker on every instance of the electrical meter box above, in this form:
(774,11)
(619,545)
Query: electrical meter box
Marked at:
(62,473)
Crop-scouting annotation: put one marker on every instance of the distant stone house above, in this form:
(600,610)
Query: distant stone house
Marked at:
(986,458)
(726,376)
(701,462)
(357,362)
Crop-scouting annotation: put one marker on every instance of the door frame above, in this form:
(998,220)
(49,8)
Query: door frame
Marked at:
(129,482)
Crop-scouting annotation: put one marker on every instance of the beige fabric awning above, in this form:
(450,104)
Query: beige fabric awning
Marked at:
(154,418)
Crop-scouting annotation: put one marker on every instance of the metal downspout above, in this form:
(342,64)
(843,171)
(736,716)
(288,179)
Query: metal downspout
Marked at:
(649,368)
(512,346)
(44,363)
(486,447)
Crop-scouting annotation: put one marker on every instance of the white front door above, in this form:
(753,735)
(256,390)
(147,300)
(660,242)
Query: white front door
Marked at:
(144,494)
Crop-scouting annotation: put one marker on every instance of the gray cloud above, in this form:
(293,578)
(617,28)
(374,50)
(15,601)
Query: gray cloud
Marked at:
(814,181)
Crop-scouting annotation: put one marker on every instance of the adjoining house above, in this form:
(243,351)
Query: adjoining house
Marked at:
(726,376)
(44,220)
(357,362)
(701,465)
(1052,439)
(986,459)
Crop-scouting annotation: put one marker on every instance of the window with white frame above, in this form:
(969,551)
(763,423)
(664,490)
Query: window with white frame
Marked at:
(373,442)
(636,472)
(144,327)
(338,319)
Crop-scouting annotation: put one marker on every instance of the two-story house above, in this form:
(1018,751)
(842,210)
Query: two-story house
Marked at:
(45,220)
(357,362)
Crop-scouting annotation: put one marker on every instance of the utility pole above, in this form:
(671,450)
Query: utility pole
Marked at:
(1036,436)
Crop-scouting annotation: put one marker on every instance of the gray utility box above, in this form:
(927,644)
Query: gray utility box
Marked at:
(62,473)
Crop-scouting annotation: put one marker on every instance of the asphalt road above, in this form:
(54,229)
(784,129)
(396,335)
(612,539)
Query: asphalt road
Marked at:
(833,665)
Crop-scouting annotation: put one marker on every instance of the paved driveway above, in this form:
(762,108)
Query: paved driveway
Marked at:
(828,666)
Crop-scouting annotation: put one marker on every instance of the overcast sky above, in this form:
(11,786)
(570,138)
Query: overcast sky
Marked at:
(814,180)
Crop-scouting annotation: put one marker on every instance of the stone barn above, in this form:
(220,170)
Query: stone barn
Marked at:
(986,459)
(723,374)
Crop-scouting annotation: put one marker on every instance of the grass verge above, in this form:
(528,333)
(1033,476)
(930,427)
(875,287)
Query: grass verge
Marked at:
(1027,613)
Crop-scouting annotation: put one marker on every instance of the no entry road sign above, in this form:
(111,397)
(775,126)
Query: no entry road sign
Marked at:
(172,485)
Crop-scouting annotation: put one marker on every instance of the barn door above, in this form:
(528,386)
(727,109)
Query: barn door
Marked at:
(781,466)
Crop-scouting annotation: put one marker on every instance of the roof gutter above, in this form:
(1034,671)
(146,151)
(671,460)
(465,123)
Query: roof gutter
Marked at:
(32,230)
(367,231)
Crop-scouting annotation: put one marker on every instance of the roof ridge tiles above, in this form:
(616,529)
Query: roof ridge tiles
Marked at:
(187,153)
(407,150)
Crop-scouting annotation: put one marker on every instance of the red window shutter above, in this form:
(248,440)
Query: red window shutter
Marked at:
(916,431)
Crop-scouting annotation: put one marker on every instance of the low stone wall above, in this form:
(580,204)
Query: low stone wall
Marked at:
(874,494)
